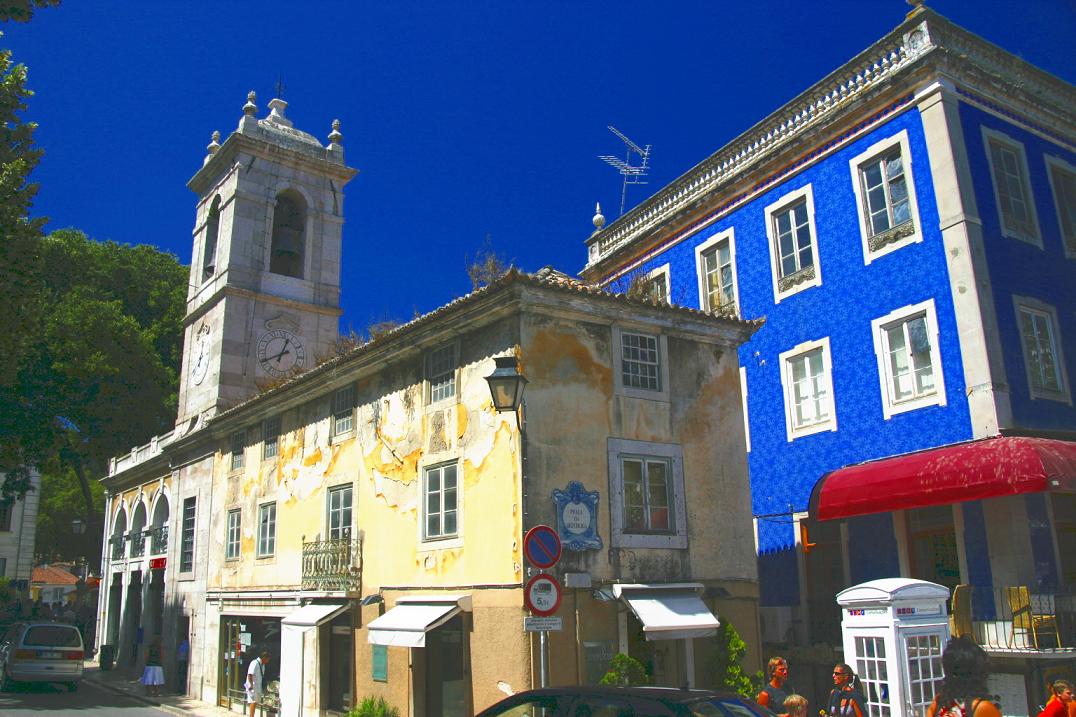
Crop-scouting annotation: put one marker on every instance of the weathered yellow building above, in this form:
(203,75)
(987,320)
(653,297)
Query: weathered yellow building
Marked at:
(363,519)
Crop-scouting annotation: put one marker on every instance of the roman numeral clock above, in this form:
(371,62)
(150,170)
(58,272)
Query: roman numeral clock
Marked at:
(280,353)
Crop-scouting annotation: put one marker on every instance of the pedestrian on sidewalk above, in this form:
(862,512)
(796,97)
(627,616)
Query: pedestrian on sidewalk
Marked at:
(776,690)
(963,692)
(845,700)
(153,674)
(255,680)
(183,657)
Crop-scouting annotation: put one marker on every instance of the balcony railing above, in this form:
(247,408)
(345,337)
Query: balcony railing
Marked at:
(334,565)
(117,543)
(1016,619)
(158,539)
(138,543)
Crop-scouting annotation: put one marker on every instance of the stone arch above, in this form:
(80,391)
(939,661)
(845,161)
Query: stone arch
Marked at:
(212,236)
(161,509)
(119,522)
(287,250)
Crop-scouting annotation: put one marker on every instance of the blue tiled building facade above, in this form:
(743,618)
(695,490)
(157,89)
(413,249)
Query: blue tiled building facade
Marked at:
(906,229)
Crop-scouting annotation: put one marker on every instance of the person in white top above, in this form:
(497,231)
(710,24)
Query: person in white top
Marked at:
(255,675)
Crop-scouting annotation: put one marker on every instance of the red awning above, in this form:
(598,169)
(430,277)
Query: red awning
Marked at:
(987,468)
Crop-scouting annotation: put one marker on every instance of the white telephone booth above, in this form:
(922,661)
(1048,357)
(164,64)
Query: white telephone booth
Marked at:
(894,632)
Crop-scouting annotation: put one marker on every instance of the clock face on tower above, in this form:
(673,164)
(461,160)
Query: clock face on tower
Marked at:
(200,356)
(280,353)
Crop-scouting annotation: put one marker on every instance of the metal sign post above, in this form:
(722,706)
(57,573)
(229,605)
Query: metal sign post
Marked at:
(542,547)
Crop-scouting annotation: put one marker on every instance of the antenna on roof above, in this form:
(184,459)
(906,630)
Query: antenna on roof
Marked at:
(633,174)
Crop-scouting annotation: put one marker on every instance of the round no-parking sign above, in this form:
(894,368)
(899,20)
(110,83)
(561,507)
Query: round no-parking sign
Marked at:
(542,594)
(541,545)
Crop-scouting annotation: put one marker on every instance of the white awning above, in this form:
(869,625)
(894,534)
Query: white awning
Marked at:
(406,624)
(314,614)
(669,612)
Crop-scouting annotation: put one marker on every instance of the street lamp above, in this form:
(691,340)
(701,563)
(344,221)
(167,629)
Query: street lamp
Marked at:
(506,384)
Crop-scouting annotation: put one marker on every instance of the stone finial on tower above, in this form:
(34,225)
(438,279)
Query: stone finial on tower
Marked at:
(599,218)
(249,122)
(213,146)
(336,144)
(276,112)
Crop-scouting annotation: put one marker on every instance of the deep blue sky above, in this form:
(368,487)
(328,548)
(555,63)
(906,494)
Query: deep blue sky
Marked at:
(466,119)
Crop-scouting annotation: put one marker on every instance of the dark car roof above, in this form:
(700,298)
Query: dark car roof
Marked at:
(669,694)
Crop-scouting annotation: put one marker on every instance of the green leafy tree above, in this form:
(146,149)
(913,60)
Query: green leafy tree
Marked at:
(727,663)
(625,670)
(102,371)
(22,10)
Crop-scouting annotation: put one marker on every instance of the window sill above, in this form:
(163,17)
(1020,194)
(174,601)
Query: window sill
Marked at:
(795,433)
(1045,394)
(341,437)
(429,546)
(893,409)
(649,540)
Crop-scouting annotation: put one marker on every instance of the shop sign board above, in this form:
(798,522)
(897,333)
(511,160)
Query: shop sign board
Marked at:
(542,624)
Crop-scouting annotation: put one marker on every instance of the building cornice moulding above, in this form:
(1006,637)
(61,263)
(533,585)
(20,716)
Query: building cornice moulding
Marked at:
(925,44)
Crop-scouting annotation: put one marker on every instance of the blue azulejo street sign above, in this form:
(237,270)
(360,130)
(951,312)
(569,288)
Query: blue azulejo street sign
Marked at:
(577,517)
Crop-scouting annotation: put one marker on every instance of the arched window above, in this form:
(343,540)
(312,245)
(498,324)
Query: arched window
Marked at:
(289,229)
(212,231)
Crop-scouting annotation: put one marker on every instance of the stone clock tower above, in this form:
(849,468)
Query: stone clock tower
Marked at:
(264,297)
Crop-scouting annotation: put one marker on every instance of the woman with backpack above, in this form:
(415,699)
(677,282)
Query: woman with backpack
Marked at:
(963,692)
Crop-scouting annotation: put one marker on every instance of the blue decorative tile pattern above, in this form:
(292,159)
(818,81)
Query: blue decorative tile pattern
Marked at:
(1017,267)
(851,295)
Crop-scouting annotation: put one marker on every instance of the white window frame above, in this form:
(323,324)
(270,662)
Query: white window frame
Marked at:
(237,460)
(743,405)
(830,424)
(659,274)
(454,348)
(442,541)
(1057,164)
(342,417)
(619,449)
(662,392)
(266,530)
(345,528)
(712,243)
(855,165)
(271,440)
(1017,147)
(1032,305)
(804,194)
(233,535)
(879,329)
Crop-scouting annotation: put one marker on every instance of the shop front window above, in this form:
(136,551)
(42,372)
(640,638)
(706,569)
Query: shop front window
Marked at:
(242,639)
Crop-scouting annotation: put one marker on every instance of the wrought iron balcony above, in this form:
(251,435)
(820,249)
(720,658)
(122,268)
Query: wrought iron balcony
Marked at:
(117,543)
(138,543)
(158,539)
(334,565)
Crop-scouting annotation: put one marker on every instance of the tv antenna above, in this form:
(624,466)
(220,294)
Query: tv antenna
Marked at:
(633,174)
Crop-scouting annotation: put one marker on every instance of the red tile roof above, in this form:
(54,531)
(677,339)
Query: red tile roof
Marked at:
(50,575)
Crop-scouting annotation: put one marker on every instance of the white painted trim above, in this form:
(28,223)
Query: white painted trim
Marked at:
(663,365)
(830,424)
(1068,244)
(729,235)
(662,272)
(803,193)
(991,135)
(743,402)
(900,535)
(961,547)
(878,327)
(673,452)
(900,139)
(1050,312)
(427,389)
(426,546)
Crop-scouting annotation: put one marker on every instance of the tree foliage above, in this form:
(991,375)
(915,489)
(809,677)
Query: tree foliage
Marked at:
(22,10)
(727,663)
(101,371)
(625,670)
(20,260)
(486,266)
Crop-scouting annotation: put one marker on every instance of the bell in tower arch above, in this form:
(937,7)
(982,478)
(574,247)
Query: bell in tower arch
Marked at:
(288,239)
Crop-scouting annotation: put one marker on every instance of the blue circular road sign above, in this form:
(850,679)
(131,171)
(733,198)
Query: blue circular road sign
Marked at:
(541,545)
